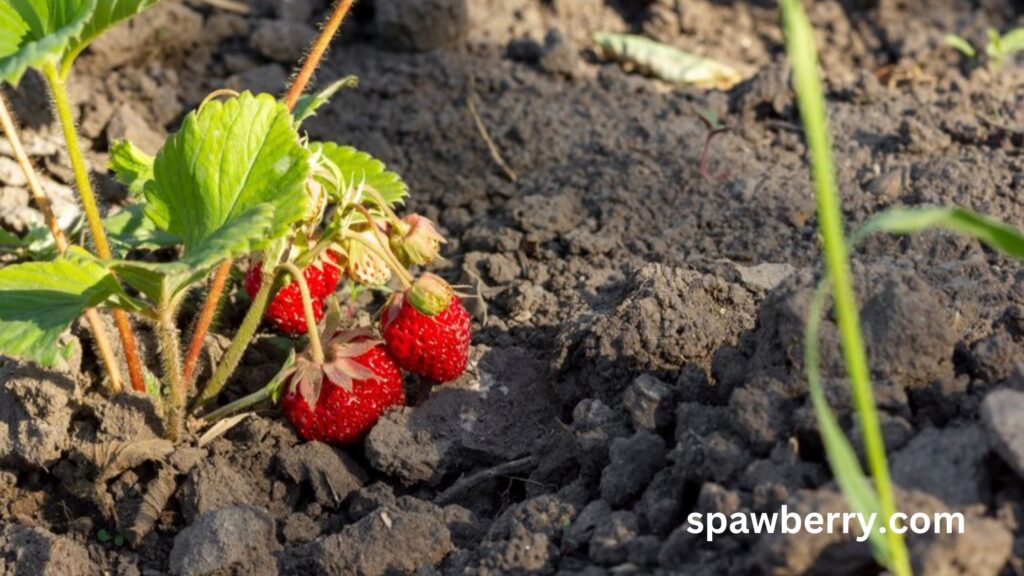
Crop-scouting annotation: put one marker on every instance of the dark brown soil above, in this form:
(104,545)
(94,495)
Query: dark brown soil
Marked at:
(641,354)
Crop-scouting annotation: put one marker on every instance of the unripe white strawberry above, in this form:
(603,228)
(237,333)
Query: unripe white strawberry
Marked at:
(362,265)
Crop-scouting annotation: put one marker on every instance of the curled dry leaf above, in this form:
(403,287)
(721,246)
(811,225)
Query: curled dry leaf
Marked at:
(220,427)
(158,493)
(106,461)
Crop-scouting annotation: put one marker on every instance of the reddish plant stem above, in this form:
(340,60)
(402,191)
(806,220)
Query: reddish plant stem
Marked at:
(316,52)
(298,86)
(705,153)
(195,347)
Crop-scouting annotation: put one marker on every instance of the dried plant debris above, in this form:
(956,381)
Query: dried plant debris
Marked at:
(666,62)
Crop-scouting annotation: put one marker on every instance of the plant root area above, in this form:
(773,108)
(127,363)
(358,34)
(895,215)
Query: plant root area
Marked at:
(639,357)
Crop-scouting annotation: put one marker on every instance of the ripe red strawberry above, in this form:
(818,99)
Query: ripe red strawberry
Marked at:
(285,309)
(340,401)
(427,330)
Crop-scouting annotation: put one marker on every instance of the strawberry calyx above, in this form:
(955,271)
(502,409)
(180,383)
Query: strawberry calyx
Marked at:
(429,294)
(340,367)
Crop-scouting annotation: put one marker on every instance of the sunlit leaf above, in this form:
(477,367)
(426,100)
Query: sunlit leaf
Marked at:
(132,167)
(33,32)
(130,229)
(39,300)
(108,13)
(229,158)
(160,281)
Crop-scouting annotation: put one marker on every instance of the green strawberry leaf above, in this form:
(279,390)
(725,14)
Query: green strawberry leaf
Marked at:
(356,167)
(132,167)
(11,242)
(108,13)
(130,229)
(307,105)
(37,244)
(228,158)
(161,281)
(33,32)
(14,28)
(39,300)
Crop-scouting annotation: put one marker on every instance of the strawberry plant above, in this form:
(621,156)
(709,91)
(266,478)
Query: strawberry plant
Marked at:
(238,180)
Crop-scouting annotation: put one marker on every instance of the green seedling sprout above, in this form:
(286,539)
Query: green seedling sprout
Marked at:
(961,45)
(999,48)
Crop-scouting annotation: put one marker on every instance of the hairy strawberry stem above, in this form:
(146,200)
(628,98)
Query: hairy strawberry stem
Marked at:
(269,391)
(99,332)
(246,331)
(317,51)
(170,351)
(381,202)
(307,309)
(298,86)
(242,403)
(63,106)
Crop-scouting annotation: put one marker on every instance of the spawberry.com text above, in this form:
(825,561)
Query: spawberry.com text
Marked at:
(787,522)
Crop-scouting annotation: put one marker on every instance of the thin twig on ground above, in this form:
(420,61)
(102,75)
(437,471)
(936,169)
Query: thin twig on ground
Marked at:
(229,5)
(492,148)
(466,483)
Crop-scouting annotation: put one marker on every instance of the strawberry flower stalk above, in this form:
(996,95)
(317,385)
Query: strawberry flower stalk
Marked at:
(376,244)
(365,261)
(316,350)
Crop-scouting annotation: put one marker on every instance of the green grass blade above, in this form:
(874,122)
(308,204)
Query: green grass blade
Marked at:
(992,233)
(810,98)
(841,456)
